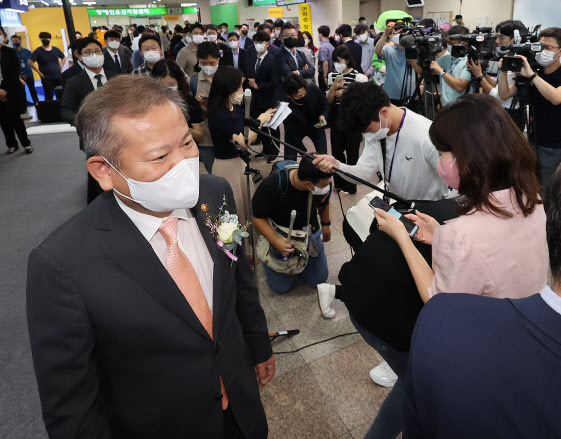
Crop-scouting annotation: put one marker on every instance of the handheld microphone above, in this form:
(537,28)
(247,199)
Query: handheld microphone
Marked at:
(247,102)
(250,122)
(288,333)
(407,41)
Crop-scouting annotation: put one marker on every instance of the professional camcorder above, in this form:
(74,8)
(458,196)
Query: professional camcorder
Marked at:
(529,50)
(480,45)
(422,48)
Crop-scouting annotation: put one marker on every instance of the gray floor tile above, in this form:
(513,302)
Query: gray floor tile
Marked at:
(297,408)
(343,376)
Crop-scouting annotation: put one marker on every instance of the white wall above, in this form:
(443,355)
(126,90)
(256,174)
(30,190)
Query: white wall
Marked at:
(351,11)
(491,12)
(370,9)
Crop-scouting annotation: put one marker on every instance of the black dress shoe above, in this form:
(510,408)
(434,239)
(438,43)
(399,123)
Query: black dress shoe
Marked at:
(12,150)
(28,149)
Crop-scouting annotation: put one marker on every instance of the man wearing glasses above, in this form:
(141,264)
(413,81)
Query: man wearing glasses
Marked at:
(545,94)
(90,54)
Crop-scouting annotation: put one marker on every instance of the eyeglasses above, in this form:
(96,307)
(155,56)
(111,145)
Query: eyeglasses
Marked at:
(90,53)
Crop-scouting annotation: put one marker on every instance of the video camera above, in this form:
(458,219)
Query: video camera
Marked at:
(480,44)
(423,48)
(513,63)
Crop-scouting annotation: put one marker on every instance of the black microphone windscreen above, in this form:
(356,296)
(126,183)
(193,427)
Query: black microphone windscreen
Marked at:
(407,41)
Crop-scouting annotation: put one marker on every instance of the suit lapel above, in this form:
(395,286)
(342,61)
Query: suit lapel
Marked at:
(218,257)
(126,246)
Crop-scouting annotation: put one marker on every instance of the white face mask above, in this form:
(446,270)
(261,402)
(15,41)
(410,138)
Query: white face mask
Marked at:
(449,48)
(211,38)
(260,47)
(340,67)
(545,57)
(188,39)
(152,56)
(237,99)
(382,133)
(233,44)
(173,87)
(209,70)
(395,39)
(224,30)
(320,191)
(198,39)
(306,42)
(363,37)
(114,44)
(94,61)
(177,189)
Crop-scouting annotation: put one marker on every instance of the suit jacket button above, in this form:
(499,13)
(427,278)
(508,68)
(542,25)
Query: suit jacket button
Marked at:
(218,397)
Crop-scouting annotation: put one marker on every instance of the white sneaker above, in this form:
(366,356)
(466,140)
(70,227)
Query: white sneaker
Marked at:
(326,294)
(383,375)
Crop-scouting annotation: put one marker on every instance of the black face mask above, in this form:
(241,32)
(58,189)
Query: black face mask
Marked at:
(300,101)
(290,42)
(16,45)
(244,32)
(46,42)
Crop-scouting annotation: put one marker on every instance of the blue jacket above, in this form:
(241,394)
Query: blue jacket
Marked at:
(482,368)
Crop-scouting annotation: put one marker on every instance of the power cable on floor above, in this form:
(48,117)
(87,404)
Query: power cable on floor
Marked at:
(316,343)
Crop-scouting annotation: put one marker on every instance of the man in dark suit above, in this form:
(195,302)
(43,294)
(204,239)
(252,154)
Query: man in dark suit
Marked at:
(140,324)
(346,32)
(308,118)
(236,56)
(245,41)
(118,58)
(263,88)
(487,368)
(90,54)
(290,61)
(251,52)
(12,99)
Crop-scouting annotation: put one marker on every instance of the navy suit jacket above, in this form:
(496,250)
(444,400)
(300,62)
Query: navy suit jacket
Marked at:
(482,368)
(284,66)
(264,97)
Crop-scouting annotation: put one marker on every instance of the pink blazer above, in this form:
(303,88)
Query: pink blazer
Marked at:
(483,254)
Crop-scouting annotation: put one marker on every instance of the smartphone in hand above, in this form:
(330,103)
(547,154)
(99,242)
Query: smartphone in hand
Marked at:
(410,226)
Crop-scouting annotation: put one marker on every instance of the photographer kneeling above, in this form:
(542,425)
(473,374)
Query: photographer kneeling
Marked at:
(305,189)
(546,100)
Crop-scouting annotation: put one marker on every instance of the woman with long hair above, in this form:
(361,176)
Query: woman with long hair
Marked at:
(173,76)
(226,124)
(496,247)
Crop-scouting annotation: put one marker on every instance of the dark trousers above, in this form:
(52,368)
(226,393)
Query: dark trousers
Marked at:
(31,85)
(49,86)
(231,428)
(11,123)
(321,83)
(295,131)
(268,147)
(345,147)
(519,117)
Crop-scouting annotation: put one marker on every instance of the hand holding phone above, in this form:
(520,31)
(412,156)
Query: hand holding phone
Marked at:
(410,226)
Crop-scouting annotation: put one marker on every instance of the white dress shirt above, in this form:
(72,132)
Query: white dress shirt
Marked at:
(189,238)
(414,175)
(94,79)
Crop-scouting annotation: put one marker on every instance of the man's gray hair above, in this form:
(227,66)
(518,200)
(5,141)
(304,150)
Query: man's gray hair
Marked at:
(128,96)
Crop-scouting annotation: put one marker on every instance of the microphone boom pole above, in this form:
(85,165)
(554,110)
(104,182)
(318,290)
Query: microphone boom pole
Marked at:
(251,123)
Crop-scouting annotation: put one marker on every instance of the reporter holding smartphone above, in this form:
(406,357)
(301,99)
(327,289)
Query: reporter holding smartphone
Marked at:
(501,228)
(546,100)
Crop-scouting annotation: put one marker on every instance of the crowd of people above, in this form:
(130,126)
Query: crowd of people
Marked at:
(457,304)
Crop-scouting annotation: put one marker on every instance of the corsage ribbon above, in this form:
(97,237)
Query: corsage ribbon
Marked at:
(230,255)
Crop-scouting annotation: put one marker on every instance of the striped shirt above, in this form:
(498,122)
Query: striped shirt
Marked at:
(348,77)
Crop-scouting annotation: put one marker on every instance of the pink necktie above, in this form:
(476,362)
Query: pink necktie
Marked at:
(182,272)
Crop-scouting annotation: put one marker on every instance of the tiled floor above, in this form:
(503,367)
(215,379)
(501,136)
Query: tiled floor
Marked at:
(323,391)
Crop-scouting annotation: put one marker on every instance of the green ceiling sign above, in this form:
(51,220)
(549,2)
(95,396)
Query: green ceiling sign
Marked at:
(126,12)
(264,2)
(192,10)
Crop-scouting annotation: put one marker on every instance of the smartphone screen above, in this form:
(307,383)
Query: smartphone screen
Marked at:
(410,226)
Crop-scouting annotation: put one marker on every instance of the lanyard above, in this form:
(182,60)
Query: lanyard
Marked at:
(395,147)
